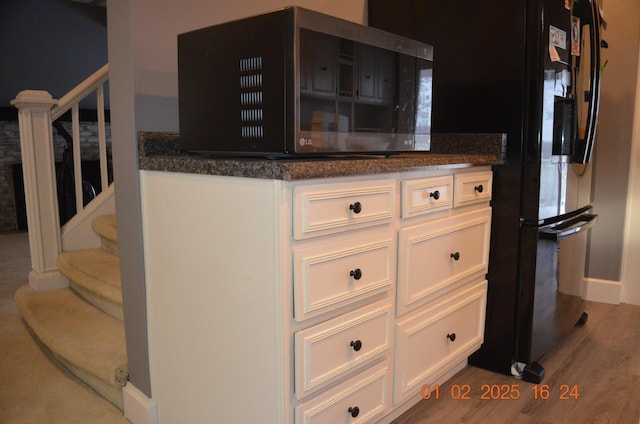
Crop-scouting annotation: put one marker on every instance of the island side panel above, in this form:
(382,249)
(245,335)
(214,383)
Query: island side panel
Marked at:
(216,303)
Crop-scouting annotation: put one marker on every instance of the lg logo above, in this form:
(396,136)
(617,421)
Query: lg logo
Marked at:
(305,141)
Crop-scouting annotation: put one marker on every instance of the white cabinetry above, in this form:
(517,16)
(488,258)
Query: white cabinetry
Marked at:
(329,350)
(330,275)
(346,258)
(339,207)
(324,301)
(436,256)
(435,339)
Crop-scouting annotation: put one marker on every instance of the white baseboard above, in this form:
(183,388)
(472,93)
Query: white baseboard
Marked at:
(604,291)
(138,408)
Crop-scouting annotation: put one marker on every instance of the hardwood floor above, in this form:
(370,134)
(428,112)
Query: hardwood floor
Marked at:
(594,377)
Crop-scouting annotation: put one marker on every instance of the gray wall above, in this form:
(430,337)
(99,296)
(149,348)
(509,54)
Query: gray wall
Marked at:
(614,138)
(49,45)
(126,178)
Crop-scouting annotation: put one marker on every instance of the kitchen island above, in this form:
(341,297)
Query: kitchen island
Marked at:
(312,291)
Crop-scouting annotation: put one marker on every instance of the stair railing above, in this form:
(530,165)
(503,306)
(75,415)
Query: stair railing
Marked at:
(70,101)
(37,111)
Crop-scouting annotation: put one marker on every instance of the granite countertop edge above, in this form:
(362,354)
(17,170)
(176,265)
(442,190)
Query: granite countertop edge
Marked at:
(160,152)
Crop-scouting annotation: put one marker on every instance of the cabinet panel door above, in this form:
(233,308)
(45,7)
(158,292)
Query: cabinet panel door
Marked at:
(437,256)
(328,276)
(330,350)
(331,208)
(430,342)
(360,400)
(473,188)
(424,195)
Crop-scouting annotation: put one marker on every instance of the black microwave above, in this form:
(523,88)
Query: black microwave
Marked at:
(296,82)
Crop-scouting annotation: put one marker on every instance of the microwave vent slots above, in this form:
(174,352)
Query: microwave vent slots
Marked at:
(251,93)
(251,98)
(251,64)
(252,131)
(251,81)
(251,115)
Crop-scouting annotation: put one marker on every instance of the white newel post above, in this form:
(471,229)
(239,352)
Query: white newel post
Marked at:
(38,167)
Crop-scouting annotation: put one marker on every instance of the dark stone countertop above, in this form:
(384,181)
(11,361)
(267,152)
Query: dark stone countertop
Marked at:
(160,152)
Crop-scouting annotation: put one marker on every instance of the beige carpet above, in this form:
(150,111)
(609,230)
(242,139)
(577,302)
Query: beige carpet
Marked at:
(32,389)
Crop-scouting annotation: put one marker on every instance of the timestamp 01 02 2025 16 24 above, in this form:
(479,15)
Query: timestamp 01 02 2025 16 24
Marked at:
(501,392)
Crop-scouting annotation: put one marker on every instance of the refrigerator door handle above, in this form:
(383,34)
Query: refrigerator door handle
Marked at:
(584,147)
(548,222)
(568,228)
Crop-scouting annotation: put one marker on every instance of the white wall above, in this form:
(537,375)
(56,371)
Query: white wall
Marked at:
(157,24)
(612,163)
(631,264)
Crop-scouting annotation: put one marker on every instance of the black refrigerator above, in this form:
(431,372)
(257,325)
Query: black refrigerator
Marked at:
(529,69)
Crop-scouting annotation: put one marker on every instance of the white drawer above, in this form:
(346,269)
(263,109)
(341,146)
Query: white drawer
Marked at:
(331,275)
(433,340)
(335,207)
(472,187)
(433,256)
(328,351)
(424,195)
(359,400)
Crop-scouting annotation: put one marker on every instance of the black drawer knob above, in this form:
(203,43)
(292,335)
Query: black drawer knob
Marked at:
(452,337)
(479,188)
(456,256)
(356,274)
(435,194)
(356,345)
(356,207)
(354,411)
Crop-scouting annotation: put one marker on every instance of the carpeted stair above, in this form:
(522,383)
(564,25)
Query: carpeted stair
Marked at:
(81,326)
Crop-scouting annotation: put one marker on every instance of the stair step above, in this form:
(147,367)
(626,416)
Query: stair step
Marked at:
(106,227)
(88,342)
(95,275)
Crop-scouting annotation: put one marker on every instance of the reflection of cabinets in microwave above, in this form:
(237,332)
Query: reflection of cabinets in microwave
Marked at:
(376,75)
(331,67)
(318,63)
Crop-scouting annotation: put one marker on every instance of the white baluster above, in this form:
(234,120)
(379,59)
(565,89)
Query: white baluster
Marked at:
(102,140)
(77,159)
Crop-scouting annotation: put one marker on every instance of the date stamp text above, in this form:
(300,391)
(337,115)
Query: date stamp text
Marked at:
(501,392)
